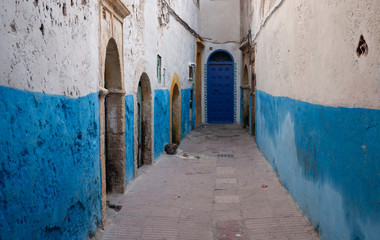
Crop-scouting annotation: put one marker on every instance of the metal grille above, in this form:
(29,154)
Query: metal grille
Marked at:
(225,155)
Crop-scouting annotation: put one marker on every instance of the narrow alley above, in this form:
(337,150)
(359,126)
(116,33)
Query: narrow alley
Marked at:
(217,186)
(274,104)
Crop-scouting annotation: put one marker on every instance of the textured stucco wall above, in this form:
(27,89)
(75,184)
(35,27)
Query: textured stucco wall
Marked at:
(317,109)
(129,137)
(161,121)
(43,50)
(307,51)
(49,166)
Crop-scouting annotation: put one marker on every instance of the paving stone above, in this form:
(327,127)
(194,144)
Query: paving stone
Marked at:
(225,170)
(210,197)
(227,199)
(226,180)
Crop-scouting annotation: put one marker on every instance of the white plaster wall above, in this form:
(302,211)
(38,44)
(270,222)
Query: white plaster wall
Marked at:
(307,50)
(220,20)
(144,39)
(62,60)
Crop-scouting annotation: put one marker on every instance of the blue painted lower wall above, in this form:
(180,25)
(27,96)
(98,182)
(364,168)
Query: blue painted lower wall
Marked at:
(193,110)
(49,166)
(186,125)
(328,159)
(161,121)
(129,137)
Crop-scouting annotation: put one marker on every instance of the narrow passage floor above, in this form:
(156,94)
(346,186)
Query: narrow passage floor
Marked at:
(213,189)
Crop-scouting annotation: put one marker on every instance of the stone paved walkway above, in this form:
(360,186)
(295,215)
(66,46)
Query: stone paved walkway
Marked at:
(214,193)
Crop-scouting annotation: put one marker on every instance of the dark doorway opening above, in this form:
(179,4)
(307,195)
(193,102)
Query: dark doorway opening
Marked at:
(144,122)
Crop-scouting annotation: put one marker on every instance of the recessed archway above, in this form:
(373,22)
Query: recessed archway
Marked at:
(113,128)
(144,122)
(175,111)
(253,88)
(245,92)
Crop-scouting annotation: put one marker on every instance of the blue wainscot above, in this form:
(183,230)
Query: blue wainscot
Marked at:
(50,183)
(161,121)
(328,159)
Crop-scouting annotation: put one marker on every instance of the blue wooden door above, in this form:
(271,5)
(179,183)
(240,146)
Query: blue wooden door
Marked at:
(220,92)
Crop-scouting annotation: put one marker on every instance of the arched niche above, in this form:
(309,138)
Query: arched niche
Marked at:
(175,110)
(113,131)
(144,122)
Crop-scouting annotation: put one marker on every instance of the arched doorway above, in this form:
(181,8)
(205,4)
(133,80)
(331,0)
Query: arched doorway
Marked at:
(245,92)
(144,122)
(220,88)
(113,127)
(253,89)
(175,110)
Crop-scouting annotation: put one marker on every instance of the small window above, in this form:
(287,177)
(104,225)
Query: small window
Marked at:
(192,72)
(164,75)
(159,68)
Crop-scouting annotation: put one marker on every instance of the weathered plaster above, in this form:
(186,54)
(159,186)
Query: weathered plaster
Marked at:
(46,49)
(311,55)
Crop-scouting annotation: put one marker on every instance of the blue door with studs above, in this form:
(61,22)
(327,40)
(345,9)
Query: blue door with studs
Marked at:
(220,88)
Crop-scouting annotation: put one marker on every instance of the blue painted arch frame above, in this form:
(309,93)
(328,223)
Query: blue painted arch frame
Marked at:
(220,50)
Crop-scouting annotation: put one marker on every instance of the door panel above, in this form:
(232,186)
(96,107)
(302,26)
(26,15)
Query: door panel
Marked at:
(220,97)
